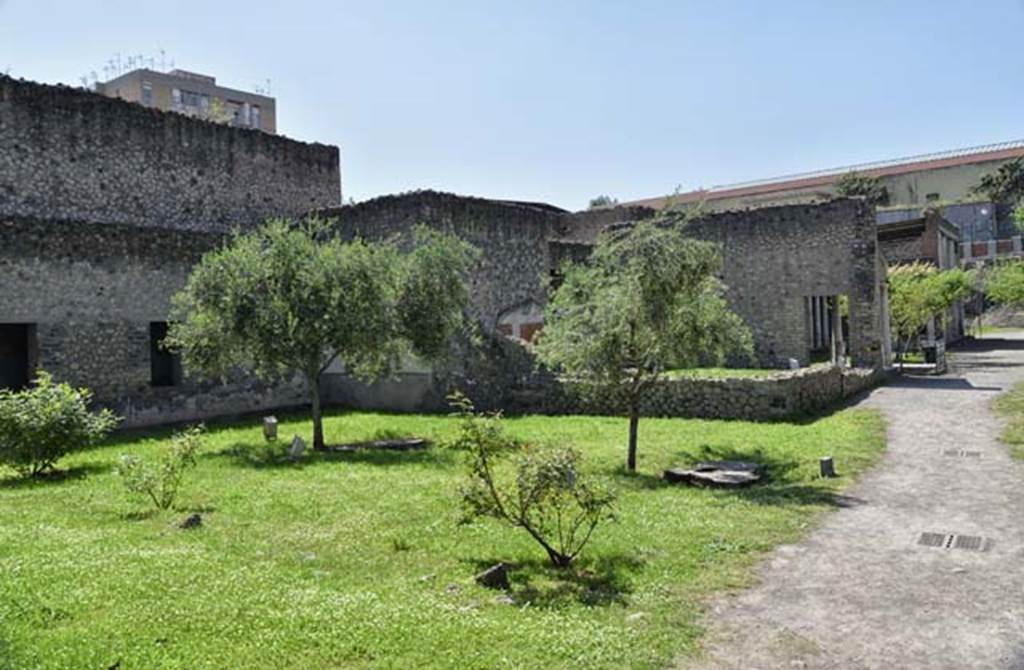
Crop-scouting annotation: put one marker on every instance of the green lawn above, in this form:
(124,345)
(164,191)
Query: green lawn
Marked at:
(356,560)
(1010,406)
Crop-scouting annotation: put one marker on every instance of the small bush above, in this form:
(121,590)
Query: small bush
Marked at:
(545,494)
(46,421)
(161,481)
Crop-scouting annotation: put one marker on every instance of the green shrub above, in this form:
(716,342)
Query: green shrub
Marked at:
(160,481)
(544,492)
(46,421)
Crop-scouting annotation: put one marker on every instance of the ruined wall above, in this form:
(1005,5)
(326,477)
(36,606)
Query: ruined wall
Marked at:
(512,237)
(776,256)
(91,291)
(779,396)
(71,155)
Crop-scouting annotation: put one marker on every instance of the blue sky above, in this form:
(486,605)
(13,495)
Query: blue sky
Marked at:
(559,102)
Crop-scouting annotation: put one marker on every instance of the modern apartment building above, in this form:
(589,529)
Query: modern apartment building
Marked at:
(195,95)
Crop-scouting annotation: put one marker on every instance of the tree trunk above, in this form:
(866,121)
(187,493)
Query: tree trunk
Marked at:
(634,421)
(318,424)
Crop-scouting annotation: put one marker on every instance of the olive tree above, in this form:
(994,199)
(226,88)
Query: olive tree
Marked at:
(647,300)
(291,299)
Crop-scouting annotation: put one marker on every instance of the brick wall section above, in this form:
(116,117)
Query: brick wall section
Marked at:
(92,291)
(70,155)
(775,256)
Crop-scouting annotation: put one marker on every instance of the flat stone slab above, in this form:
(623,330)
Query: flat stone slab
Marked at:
(722,474)
(406,444)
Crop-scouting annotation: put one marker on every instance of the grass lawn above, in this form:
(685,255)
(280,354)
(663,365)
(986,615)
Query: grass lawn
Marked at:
(1010,405)
(997,330)
(356,560)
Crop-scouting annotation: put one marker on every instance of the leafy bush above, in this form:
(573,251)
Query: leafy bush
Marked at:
(546,493)
(161,481)
(46,421)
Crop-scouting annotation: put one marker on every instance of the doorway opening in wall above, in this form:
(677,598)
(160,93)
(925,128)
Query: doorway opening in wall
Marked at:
(18,353)
(164,365)
(827,327)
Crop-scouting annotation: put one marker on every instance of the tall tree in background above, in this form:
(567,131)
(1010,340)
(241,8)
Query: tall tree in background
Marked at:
(648,300)
(287,300)
(1006,184)
(857,184)
(603,201)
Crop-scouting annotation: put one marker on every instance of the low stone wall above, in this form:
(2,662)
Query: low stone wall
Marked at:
(781,395)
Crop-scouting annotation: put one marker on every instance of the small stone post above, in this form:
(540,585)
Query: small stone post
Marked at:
(270,428)
(828,468)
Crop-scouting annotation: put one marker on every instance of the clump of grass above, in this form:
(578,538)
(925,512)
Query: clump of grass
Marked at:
(1010,405)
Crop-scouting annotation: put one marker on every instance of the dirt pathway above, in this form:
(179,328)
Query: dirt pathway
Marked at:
(861,591)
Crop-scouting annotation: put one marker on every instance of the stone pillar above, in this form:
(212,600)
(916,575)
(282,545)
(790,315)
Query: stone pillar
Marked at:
(838,348)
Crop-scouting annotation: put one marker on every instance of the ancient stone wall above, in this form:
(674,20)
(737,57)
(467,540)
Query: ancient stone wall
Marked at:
(91,292)
(512,237)
(777,256)
(70,155)
(782,395)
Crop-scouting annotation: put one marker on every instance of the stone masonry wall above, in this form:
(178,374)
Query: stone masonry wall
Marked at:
(776,256)
(782,395)
(91,291)
(512,238)
(71,155)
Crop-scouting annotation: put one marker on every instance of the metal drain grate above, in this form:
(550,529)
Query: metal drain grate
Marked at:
(933,539)
(961,453)
(954,541)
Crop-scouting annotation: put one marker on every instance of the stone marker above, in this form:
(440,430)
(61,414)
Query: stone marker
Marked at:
(270,428)
(298,447)
(828,467)
(494,577)
(725,474)
(191,521)
(794,364)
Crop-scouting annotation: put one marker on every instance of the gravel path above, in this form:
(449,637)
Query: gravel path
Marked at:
(861,592)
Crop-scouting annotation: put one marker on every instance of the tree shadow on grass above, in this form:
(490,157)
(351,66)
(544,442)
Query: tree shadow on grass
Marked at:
(275,455)
(598,582)
(54,477)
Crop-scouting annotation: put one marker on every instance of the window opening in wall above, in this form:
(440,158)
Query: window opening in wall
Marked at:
(18,353)
(254,116)
(932,197)
(827,326)
(165,365)
(147,94)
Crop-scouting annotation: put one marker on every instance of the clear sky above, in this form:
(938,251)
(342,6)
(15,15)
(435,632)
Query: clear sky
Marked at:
(562,101)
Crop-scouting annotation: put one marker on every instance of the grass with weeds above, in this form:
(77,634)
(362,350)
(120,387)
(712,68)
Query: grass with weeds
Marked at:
(1010,406)
(356,559)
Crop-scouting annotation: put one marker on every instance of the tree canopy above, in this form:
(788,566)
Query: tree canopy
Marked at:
(603,201)
(291,299)
(648,300)
(857,184)
(1006,184)
(920,291)
(1004,283)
